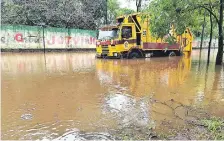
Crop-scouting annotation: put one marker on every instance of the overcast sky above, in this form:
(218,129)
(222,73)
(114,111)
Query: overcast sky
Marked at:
(128,4)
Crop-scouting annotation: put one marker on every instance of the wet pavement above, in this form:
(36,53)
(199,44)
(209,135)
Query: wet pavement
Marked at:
(75,96)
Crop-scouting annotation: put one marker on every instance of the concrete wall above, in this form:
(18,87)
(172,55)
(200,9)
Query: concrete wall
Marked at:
(31,37)
(197,42)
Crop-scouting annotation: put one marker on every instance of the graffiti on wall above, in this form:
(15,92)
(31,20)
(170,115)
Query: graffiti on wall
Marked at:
(28,37)
(34,39)
(19,38)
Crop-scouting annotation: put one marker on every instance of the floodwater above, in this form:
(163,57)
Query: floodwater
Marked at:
(75,96)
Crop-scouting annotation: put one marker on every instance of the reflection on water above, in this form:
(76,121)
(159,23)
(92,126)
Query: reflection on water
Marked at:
(75,96)
(143,77)
(76,135)
(50,63)
(128,111)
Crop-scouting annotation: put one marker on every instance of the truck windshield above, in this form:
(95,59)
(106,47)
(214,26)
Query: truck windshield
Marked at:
(105,35)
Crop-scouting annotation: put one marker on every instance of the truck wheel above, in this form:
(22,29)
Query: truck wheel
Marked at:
(134,55)
(180,53)
(171,54)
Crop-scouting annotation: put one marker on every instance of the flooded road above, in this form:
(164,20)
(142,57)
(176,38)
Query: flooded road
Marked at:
(75,96)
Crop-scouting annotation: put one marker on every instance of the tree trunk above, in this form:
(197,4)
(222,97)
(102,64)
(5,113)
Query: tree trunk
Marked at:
(219,56)
(210,41)
(202,34)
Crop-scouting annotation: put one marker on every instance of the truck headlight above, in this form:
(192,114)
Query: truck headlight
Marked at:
(97,43)
(115,54)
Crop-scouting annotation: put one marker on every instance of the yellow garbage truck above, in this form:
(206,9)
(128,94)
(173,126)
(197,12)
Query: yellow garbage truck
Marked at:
(131,38)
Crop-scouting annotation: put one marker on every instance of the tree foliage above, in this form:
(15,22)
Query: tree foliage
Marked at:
(188,13)
(86,14)
(181,14)
(83,14)
(114,11)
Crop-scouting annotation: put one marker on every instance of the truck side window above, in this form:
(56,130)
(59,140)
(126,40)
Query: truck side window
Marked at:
(126,32)
(115,33)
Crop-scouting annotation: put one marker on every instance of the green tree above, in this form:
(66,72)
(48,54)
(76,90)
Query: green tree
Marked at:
(83,14)
(114,11)
(125,11)
(182,14)
(87,14)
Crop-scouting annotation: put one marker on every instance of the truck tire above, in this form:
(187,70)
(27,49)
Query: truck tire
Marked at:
(172,53)
(180,53)
(134,55)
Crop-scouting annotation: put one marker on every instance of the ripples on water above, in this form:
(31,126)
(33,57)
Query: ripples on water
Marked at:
(68,96)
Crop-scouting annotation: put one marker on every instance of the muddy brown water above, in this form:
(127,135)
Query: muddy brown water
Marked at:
(75,96)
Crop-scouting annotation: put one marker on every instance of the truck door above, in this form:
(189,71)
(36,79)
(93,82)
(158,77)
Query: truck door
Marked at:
(128,36)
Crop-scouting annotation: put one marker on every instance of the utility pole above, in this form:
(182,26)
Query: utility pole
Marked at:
(43,38)
(42,25)
(106,13)
(138,5)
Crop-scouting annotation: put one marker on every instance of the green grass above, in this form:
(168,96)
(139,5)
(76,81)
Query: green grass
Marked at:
(215,126)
